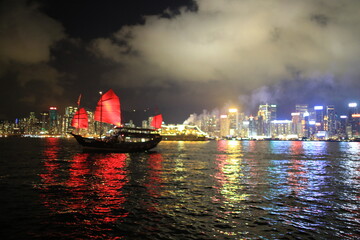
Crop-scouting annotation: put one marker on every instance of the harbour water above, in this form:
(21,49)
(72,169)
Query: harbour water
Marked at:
(50,189)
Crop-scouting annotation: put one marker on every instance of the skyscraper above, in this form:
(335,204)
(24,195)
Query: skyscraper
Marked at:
(53,121)
(44,122)
(319,118)
(330,121)
(296,124)
(233,117)
(301,108)
(304,119)
(224,126)
(266,114)
(352,128)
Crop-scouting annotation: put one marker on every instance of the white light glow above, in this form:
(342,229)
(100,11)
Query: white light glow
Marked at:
(352,104)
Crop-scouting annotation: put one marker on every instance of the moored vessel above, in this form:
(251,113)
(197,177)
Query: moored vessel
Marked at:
(182,132)
(120,139)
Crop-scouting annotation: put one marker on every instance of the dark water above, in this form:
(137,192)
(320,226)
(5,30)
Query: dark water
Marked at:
(184,190)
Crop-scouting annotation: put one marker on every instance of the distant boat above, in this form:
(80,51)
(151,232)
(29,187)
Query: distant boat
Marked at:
(122,139)
(182,132)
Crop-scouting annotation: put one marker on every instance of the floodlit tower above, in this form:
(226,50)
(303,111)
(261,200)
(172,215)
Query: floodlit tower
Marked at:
(330,123)
(342,128)
(44,122)
(319,118)
(233,117)
(53,120)
(353,121)
(69,113)
(301,108)
(296,124)
(266,114)
(304,119)
(224,126)
(306,125)
(32,124)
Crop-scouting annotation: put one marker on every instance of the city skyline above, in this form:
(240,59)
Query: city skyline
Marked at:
(147,112)
(178,56)
(307,122)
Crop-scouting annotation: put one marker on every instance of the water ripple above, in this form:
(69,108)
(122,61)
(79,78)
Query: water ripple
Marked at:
(184,190)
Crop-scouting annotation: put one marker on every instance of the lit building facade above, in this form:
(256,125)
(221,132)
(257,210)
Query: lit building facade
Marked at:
(319,118)
(266,114)
(233,117)
(281,129)
(296,121)
(224,126)
(331,121)
(352,128)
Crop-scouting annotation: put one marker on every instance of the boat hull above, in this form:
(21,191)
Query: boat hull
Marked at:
(122,147)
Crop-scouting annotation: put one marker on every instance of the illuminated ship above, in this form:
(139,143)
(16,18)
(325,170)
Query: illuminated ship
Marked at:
(182,132)
(120,139)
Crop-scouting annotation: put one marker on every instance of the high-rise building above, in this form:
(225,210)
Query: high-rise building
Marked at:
(281,128)
(252,127)
(233,117)
(32,124)
(266,114)
(53,120)
(353,121)
(224,126)
(44,122)
(301,108)
(296,124)
(319,118)
(69,113)
(342,127)
(304,119)
(330,121)
(306,125)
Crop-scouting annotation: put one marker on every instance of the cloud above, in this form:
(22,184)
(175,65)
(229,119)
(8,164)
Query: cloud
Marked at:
(27,37)
(26,34)
(248,42)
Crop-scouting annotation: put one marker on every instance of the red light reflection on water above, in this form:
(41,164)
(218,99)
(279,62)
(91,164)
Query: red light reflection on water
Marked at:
(51,164)
(90,187)
(111,174)
(77,182)
(154,181)
(297,172)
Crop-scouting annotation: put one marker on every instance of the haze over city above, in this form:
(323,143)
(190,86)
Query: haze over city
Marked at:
(178,57)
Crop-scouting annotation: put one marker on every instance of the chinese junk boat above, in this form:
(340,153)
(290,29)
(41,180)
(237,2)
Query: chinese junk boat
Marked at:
(122,139)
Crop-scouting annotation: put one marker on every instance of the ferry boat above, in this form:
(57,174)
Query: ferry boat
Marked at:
(182,132)
(121,139)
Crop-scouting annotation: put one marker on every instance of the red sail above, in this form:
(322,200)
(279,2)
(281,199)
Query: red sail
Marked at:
(108,109)
(80,119)
(157,121)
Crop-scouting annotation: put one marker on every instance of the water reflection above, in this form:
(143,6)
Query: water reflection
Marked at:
(304,184)
(297,171)
(229,174)
(51,163)
(215,190)
(88,187)
(154,181)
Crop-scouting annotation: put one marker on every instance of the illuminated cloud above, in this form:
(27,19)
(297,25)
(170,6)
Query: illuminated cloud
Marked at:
(26,39)
(26,34)
(251,43)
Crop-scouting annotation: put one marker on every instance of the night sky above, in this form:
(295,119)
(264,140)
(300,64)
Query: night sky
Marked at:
(178,57)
